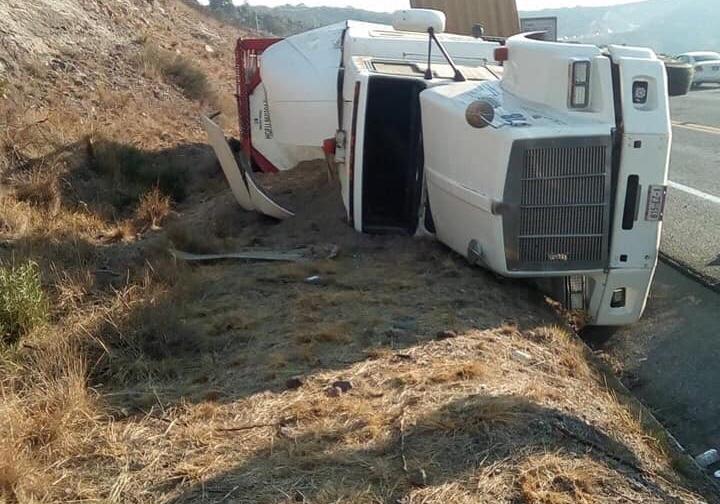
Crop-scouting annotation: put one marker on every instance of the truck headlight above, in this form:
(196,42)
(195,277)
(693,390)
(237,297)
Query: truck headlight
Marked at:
(579,84)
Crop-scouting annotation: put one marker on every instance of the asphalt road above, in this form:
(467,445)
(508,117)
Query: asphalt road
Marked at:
(671,358)
(691,234)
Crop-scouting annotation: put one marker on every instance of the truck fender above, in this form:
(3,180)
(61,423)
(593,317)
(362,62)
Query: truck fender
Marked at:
(246,192)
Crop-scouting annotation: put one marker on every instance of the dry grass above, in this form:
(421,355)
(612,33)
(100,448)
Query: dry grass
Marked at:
(445,371)
(154,208)
(72,288)
(555,478)
(192,398)
(109,324)
(40,189)
(53,417)
(154,381)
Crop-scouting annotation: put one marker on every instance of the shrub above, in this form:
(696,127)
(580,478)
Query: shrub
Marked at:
(40,188)
(135,171)
(188,77)
(22,301)
(177,69)
(154,207)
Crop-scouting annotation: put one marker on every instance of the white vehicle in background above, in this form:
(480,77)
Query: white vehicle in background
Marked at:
(533,159)
(706,65)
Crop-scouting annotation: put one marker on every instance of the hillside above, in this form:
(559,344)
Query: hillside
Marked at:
(377,370)
(668,26)
(289,19)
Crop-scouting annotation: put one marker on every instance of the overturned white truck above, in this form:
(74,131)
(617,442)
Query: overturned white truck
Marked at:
(532,159)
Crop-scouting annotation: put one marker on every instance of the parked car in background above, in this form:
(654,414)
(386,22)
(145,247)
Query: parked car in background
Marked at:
(706,65)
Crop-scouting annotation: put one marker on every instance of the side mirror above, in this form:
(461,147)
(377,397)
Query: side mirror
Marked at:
(680,77)
(419,20)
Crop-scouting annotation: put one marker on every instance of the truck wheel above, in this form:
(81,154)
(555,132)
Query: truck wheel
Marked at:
(680,76)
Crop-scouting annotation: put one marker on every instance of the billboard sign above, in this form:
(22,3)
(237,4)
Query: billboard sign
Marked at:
(541,24)
(499,18)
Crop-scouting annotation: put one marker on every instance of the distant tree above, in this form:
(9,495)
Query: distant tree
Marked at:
(221,5)
(288,19)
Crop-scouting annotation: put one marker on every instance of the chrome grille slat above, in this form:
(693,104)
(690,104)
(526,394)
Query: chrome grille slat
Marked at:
(561,220)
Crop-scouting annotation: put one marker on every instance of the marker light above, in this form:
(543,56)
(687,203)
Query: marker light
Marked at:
(579,84)
(502,54)
(618,298)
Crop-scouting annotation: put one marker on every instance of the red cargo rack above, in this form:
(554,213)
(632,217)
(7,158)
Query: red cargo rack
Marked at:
(247,74)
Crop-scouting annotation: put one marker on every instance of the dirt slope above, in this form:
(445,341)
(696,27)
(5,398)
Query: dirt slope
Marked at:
(382,369)
(83,66)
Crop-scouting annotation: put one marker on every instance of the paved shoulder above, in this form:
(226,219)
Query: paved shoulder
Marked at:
(691,233)
(671,358)
(700,106)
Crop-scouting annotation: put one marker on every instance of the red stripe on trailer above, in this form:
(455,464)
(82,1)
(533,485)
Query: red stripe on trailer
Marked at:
(247,78)
(262,162)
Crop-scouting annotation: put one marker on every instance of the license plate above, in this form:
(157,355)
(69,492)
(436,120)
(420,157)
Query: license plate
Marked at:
(655,203)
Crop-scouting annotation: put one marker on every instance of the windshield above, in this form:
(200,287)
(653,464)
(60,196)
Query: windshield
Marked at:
(708,57)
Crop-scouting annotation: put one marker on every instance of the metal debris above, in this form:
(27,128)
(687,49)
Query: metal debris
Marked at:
(244,254)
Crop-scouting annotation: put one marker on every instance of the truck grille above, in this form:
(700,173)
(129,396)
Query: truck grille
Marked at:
(560,200)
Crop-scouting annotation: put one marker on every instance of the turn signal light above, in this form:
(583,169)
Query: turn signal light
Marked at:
(502,54)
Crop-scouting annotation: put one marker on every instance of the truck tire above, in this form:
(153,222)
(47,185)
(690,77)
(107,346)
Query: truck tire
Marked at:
(680,77)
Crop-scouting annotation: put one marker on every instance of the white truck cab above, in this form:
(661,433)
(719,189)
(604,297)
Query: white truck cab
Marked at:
(533,159)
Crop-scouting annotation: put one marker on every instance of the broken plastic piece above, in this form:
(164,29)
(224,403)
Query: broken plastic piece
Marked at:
(234,176)
(263,203)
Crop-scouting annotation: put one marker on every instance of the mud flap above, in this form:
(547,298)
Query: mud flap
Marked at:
(246,192)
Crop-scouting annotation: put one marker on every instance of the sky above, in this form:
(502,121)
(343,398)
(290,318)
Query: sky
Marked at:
(391,5)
